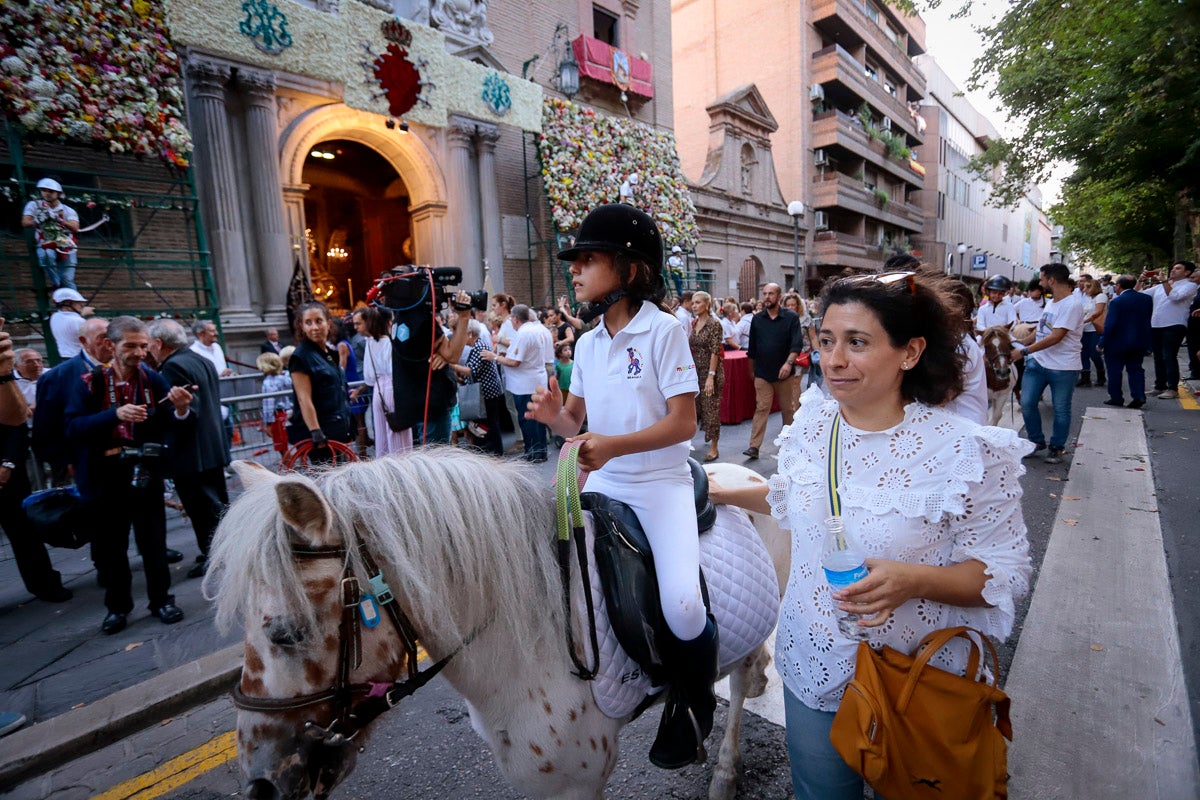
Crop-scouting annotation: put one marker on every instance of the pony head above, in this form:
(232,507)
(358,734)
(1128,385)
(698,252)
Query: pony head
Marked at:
(997,356)
(455,535)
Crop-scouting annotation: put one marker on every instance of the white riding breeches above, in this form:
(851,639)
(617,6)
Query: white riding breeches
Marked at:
(665,504)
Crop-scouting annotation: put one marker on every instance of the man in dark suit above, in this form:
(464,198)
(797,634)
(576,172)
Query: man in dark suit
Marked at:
(272,344)
(196,456)
(49,432)
(1125,341)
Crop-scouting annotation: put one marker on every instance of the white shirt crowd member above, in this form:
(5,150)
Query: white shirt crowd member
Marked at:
(743,331)
(529,348)
(935,489)
(1066,313)
(65,325)
(973,401)
(1169,309)
(1028,309)
(990,315)
(213,353)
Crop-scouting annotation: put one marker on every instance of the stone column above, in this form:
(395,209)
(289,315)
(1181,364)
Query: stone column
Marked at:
(214,161)
(489,206)
(464,208)
(266,197)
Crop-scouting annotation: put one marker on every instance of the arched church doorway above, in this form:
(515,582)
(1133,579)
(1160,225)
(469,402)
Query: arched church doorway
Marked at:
(358,219)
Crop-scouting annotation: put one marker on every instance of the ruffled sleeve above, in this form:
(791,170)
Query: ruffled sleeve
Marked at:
(792,489)
(991,529)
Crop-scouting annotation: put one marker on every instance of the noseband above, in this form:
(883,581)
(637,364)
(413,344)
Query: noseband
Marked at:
(355,705)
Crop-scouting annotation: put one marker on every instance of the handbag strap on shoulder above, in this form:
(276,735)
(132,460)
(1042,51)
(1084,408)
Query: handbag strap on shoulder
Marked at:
(835,451)
(934,642)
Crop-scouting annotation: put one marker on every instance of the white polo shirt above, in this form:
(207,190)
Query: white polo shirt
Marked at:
(1028,309)
(529,348)
(990,315)
(65,325)
(626,381)
(1066,313)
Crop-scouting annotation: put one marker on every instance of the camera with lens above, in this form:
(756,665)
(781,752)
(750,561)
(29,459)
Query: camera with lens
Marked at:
(405,288)
(145,462)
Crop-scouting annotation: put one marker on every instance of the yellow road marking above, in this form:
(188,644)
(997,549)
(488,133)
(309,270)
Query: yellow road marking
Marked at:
(176,772)
(186,767)
(1188,400)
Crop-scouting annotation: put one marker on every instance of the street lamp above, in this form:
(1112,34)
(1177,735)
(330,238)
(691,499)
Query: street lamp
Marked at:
(796,210)
(567,79)
(962,254)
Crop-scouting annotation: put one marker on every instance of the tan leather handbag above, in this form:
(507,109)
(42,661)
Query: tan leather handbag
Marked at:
(916,731)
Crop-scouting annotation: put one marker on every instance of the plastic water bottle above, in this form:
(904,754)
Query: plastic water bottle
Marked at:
(843,566)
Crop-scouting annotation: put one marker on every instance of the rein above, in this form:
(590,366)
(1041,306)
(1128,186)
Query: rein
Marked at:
(355,705)
(570,524)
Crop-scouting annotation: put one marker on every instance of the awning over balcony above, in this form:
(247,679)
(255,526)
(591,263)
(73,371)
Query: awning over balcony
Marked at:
(602,62)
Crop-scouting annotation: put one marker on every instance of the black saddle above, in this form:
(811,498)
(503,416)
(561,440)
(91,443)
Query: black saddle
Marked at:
(627,577)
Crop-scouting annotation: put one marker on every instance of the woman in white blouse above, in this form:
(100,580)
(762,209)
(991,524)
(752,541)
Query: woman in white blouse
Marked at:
(932,498)
(376,326)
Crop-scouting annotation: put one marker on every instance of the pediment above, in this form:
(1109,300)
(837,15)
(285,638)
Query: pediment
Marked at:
(745,108)
(479,54)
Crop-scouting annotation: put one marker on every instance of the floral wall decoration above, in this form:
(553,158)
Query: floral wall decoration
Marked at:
(97,72)
(586,157)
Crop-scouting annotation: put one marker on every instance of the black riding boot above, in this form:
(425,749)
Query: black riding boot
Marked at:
(1101,377)
(1085,379)
(688,716)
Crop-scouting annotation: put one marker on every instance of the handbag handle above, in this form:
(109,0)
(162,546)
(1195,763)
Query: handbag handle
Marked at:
(934,642)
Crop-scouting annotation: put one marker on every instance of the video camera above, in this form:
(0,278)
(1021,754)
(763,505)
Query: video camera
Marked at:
(404,288)
(146,460)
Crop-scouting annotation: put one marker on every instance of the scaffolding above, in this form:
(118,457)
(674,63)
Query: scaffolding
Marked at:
(145,258)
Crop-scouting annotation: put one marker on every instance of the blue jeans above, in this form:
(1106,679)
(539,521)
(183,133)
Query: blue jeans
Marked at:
(59,267)
(532,431)
(818,772)
(1131,362)
(1088,354)
(1062,389)
(1167,342)
(436,432)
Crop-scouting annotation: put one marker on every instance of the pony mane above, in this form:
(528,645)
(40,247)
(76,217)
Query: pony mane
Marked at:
(460,537)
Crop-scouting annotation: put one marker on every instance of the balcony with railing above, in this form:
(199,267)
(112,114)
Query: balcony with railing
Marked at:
(834,64)
(835,189)
(845,250)
(836,129)
(847,21)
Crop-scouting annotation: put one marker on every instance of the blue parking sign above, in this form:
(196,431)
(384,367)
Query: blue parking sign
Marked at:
(979,262)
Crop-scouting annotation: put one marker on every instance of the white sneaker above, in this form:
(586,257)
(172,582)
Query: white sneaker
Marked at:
(1169,394)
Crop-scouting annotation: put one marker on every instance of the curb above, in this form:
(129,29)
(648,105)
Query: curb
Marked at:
(79,731)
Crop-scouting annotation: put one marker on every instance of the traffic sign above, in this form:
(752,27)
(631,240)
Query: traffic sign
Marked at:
(979,262)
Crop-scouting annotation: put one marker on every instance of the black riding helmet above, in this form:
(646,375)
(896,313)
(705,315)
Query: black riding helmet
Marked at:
(619,228)
(999,282)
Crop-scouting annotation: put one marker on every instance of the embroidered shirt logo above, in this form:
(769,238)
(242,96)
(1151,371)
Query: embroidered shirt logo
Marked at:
(634,370)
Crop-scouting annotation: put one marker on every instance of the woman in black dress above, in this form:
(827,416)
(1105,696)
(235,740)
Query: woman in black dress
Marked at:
(319,385)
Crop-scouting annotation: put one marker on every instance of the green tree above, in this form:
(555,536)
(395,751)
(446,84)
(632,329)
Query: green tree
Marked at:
(1113,88)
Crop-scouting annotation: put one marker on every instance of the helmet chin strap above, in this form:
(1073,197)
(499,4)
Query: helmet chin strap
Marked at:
(589,311)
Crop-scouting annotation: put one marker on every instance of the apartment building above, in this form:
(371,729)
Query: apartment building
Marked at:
(839,78)
(963,233)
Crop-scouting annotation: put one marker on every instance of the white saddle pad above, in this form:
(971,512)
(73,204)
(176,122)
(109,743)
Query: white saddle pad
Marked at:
(742,590)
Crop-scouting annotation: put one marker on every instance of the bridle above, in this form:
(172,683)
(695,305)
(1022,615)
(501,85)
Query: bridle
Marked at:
(355,705)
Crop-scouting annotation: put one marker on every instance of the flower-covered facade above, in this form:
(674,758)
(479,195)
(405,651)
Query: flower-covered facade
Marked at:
(586,156)
(97,72)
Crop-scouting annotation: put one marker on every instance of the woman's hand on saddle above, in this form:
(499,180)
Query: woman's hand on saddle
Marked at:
(595,451)
(889,585)
(545,403)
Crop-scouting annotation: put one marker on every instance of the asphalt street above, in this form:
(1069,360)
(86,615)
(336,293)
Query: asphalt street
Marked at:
(426,748)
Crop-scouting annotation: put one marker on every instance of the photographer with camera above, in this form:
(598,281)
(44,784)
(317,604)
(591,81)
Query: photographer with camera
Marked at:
(117,419)
(424,385)
(1168,321)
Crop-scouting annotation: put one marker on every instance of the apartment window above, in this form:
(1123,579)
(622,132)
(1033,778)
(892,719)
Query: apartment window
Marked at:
(889,87)
(604,26)
(941,151)
(872,12)
(941,205)
(871,71)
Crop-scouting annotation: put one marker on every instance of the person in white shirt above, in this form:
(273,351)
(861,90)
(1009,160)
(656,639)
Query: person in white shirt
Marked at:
(29,369)
(66,323)
(973,402)
(1168,322)
(55,225)
(206,345)
(729,331)
(994,310)
(1056,363)
(525,374)
(683,312)
(635,380)
(1029,308)
(743,326)
(502,304)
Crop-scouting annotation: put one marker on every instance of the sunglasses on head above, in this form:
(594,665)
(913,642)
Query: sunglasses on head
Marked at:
(887,279)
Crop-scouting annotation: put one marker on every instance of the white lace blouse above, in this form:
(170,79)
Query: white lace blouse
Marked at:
(935,489)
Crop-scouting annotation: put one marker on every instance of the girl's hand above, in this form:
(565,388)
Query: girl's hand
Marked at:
(595,452)
(544,404)
(889,585)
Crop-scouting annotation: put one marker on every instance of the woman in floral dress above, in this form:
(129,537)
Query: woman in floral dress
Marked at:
(705,340)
